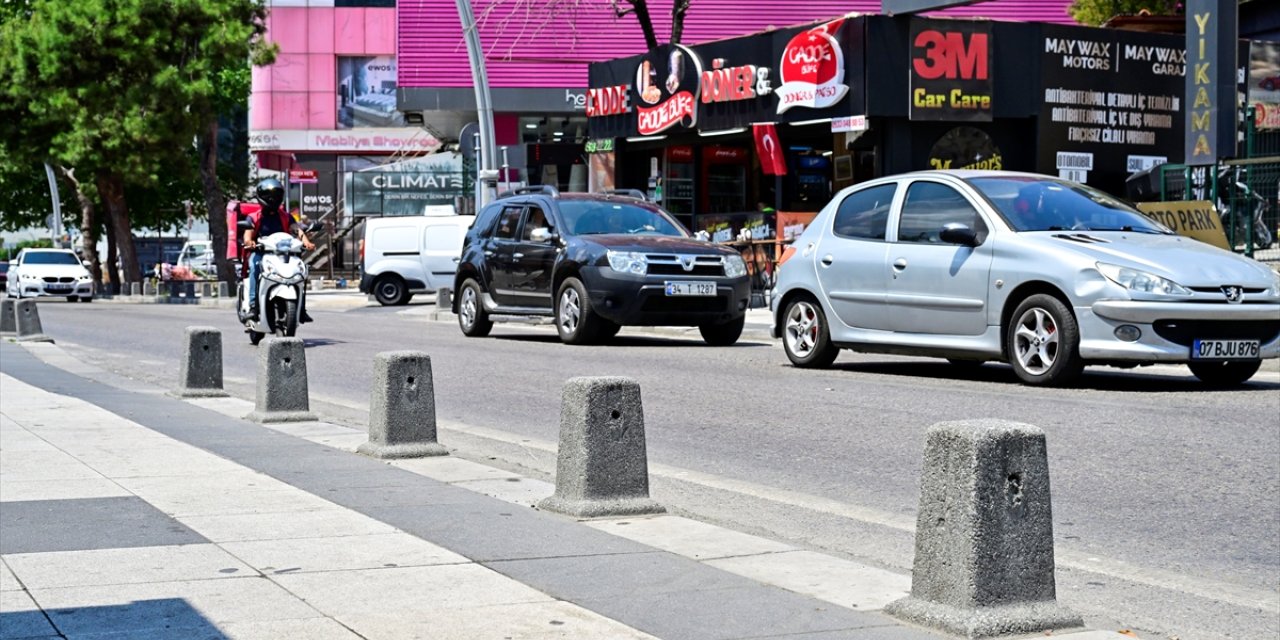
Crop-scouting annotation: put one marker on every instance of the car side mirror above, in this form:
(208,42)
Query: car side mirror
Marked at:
(959,233)
(85,263)
(542,234)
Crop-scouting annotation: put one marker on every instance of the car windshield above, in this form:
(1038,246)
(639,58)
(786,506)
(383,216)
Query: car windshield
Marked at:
(1040,204)
(588,217)
(50,257)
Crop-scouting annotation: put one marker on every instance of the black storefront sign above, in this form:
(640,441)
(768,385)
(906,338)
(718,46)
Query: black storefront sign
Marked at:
(787,75)
(1112,103)
(951,70)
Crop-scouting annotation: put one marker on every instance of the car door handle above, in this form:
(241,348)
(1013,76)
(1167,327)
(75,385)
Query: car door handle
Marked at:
(517,256)
(488,253)
(827,260)
(899,264)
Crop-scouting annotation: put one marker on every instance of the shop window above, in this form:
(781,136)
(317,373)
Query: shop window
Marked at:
(929,207)
(865,214)
(508,222)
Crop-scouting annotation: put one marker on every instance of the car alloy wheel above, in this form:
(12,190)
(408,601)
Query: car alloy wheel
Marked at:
(472,318)
(804,335)
(467,307)
(1042,343)
(570,311)
(1036,341)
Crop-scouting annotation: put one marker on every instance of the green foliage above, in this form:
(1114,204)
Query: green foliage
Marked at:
(24,196)
(1096,12)
(9,253)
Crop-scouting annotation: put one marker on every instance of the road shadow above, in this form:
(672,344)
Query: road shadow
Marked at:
(320,342)
(1094,378)
(168,617)
(628,341)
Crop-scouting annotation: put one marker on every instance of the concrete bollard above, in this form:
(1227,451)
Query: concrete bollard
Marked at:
(200,375)
(27,321)
(601,467)
(206,290)
(984,537)
(135,289)
(189,293)
(402,408)
(148,288)
(222,291)
(8,321)
(444,298)
(282,382)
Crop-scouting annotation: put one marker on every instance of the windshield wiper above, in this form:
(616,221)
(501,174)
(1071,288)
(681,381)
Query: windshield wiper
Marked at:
(1133,230)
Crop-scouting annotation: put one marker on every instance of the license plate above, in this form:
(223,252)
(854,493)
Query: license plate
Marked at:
(1224,350)
(691,288)
(57,287)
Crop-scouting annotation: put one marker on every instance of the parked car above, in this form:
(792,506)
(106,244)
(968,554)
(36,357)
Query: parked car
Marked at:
(1046,274)
(595,263)
(197,255)
(49,272)
(407,255)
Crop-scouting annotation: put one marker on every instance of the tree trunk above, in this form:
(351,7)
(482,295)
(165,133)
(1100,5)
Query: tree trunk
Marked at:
(88,227)
(207,146)
(113,255)
(646,22)
(678,10)
(111,188)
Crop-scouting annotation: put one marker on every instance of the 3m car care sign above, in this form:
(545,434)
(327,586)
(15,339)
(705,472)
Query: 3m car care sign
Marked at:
(812,69)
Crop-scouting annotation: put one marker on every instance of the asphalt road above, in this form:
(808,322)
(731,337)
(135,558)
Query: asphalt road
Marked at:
(1166,496)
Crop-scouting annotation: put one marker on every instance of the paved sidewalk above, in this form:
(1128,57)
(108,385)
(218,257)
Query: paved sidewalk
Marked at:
(131,513)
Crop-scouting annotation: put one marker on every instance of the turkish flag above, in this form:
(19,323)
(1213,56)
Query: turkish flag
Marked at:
(769,148)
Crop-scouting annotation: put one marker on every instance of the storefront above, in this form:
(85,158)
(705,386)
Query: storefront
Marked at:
(782,119)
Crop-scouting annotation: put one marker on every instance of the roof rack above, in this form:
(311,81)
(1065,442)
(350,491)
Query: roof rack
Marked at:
(543,189)
(628,193)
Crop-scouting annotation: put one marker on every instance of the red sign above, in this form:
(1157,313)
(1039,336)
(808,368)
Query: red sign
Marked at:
(772,162)
(812,69)
(680,154)
(303,176)
(947,55)
(608,101)
(725,155)
(733,83)
(669,113)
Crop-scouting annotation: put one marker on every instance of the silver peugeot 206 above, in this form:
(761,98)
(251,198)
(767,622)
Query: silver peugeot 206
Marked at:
(1045,274)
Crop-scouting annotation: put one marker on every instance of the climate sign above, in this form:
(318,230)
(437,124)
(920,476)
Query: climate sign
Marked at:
(951,70)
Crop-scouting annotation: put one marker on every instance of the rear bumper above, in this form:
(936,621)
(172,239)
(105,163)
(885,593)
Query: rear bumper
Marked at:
(634,301)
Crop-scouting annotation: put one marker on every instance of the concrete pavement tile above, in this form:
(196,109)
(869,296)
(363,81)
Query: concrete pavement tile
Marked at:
(191,496)
(689,538)
(8,582)
(37,526)
(590,577)
(42,571)
(21,618)
(304,555)
(42,465)
(848,584)
(60,489)
(307,430)
(533,621)
(1092,634)
(16,439)
(347,442)
(889,632)
(451,469)
(390,592)
(321,523)
(166,462)
(522,491)
(232,407)
(141,610)
(302,629)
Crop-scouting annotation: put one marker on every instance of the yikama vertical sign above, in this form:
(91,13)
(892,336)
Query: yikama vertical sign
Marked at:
(1211,80)
(951,70)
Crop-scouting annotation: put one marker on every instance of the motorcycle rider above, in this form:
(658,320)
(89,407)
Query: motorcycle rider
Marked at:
(272,218)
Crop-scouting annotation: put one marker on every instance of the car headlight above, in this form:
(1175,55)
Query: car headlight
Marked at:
(735,266)
(26,276)
(1135,280)
(628,262)
(1274,291)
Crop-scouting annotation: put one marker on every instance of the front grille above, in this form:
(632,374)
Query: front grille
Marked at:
(1218,290)
(51,279)
(678,304)
(666,264)
(1184,332)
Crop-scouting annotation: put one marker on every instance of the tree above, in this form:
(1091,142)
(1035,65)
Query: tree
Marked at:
(1096,12)
(119,89)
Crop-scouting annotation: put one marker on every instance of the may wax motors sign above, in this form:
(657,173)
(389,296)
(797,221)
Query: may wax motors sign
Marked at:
(1211,80)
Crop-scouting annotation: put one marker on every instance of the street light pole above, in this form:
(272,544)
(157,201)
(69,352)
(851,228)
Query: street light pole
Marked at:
(55,226)
(484,106)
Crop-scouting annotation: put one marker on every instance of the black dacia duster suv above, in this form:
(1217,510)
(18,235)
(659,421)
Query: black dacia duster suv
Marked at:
(595,262)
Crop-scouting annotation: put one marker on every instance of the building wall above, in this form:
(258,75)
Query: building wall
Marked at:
(538,45)
(298,92)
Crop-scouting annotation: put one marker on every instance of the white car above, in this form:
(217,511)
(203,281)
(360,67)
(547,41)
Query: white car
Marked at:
(50,272)
(406,255)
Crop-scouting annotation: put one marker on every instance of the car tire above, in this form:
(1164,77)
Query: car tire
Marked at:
(575,321)
(805,336)
(607,330)
(472,318)
(1043,343)
(390,290)
(1224,374)
(86,299)
(723,335)
(73,298)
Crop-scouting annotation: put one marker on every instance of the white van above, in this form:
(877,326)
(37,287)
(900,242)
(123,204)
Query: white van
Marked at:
(402,256)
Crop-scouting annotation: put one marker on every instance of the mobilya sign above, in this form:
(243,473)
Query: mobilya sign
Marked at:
(732,83)
(951,70)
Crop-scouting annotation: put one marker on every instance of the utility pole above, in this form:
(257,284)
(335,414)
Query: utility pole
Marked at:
(55,226)
(486,162)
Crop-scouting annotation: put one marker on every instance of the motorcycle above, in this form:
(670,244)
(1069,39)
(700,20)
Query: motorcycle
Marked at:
(1243,210)
(281,289)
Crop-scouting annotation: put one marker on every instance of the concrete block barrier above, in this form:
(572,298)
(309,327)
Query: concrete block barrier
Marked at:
(200,375)
(206,290)
(984,562)
(223,288)
(282,383)
(444,298)
(402,408)
(135,289)
(149,289)
(8,321)
(602,468)
(27,321)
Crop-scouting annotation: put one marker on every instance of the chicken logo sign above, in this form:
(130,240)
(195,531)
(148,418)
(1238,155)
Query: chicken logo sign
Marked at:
(812,69)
